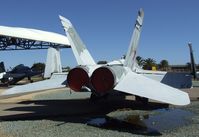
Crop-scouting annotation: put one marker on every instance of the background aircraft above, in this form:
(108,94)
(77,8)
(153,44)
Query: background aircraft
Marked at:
(16,74)
(118,75)
(15,38)
(180,80)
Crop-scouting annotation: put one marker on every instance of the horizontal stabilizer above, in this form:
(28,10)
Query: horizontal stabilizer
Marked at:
(140,85)
(53,83)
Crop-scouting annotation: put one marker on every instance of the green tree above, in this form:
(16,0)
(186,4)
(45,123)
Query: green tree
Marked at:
(149,63)
(38,66)
(164,65)
(140,61)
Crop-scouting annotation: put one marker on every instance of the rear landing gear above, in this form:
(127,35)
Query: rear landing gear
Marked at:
(30,80)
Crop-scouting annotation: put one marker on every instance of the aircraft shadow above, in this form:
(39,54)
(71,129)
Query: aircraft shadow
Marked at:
(82,111)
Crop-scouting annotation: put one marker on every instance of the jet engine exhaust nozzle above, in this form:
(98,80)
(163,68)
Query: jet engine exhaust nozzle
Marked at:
(77,78)
(103,80)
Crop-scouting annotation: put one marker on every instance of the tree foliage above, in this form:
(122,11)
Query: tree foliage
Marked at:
(38,66)
(164,65)
(140,61)
(149,63)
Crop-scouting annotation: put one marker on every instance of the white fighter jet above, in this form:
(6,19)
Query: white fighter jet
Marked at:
(118,75)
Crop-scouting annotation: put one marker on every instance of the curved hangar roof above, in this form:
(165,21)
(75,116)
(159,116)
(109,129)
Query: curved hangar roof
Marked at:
(33,34)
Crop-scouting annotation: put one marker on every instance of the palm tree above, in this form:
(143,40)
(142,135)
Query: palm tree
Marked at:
(149,63)
(140,61)
(164,65)
(38,66)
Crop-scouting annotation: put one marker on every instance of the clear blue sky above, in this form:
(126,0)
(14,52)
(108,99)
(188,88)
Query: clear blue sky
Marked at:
(106,27)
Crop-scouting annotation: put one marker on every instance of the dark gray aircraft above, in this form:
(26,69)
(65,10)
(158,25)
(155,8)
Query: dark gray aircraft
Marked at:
(16,74)
(193,65)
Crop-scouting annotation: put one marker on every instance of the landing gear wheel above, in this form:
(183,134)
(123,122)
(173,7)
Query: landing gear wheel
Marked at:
(31,81)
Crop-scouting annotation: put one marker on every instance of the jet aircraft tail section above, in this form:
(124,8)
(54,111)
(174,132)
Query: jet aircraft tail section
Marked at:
(131,53)
(53,62)
(117,76)
(81,54)
(2,67)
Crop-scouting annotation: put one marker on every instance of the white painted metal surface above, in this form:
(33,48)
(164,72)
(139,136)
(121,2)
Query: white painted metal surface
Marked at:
(56,81)
(131,53)
(1,74)
(131,82)
(81,54)
(53,62)
(137,84)
(33,34)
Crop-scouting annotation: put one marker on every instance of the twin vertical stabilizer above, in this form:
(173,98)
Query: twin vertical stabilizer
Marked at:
(131,53)
(82,55)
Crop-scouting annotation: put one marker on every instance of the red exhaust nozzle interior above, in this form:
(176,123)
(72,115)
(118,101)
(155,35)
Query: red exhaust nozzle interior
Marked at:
(102,80)
(77,78)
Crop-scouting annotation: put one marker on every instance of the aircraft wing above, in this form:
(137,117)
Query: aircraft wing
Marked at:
(58,81)
(140,85)
(33,34)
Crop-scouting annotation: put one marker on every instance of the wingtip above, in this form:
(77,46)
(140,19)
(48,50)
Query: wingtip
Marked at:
(187,100)
(61,17)
(184,99)
(141,12)
(65,22)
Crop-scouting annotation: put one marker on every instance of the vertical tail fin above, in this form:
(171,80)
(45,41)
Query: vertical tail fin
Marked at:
(53,62)
(82,55)
(2,67)
(131,54)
